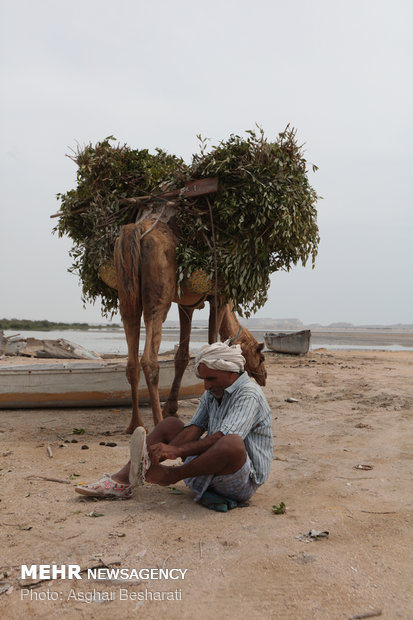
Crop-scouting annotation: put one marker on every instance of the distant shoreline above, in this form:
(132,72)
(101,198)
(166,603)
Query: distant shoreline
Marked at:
(342,336)
(47,326)
(254,325)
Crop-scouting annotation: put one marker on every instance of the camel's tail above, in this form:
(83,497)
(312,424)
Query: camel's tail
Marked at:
(127,260)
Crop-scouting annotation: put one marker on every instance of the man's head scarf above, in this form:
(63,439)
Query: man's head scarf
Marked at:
(221,356)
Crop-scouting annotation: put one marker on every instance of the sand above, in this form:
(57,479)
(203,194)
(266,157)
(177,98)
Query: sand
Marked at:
(354,409)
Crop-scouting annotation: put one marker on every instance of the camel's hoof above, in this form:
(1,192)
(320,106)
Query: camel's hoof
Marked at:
(169,409)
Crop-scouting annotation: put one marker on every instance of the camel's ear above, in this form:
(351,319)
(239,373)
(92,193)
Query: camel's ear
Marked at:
(260,346)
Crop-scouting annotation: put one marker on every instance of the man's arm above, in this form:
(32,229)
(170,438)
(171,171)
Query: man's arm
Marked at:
(186,443)
(193,448)
(189,433)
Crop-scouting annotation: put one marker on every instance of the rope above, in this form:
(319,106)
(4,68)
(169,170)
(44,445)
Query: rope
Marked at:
(215,270)
(155,223)
(234,339)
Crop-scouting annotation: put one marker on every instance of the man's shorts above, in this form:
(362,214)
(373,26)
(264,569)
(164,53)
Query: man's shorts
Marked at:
(238,486)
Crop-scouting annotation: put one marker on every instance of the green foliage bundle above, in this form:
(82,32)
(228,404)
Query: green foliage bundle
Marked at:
(262,219)
(264,216)
(92,214)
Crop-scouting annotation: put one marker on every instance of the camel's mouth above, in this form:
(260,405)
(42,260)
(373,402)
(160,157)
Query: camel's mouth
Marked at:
(260,378)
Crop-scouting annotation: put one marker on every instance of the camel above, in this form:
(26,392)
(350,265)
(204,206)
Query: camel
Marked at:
(146,270)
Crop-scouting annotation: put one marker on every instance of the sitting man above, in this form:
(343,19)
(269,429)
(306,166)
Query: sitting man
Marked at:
(234,457)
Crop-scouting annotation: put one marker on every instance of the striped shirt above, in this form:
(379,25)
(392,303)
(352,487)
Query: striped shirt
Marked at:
(243,411)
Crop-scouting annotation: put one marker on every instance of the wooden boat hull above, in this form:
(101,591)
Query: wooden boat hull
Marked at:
(295,343)
(83,384)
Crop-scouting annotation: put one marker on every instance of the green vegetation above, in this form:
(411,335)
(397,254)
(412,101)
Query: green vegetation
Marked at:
(27,325)
(279,510)
(93,212)
(261,220)
(264,217)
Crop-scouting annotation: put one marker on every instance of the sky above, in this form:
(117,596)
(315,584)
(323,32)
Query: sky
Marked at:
(156,74)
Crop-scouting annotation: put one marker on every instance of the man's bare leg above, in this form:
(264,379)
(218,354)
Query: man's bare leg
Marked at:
(163,432)
(226,456)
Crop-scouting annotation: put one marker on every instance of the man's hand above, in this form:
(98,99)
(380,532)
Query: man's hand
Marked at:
(159,452)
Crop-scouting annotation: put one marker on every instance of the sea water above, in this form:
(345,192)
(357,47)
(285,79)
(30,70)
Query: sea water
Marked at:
(113,342)
(360,347)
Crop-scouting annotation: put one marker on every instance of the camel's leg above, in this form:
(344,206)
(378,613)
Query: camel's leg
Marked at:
(127,261)
(149,360)
(181,359)
(131,326)
(158,271)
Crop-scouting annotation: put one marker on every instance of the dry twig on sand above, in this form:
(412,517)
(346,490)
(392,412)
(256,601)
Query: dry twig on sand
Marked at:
(36,477)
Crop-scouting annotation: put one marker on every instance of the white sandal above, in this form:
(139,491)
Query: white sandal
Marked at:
(139,457)
(105,487)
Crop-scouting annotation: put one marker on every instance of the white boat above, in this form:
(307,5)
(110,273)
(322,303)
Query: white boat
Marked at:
(295,343)
(37,384)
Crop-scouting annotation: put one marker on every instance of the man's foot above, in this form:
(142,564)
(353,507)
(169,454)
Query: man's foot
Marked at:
(139,458)
(163,475)
(105,487)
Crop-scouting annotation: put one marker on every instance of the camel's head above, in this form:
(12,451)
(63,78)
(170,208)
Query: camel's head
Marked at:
(254,364)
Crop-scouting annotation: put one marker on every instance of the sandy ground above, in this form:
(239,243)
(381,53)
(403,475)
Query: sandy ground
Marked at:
(354,408)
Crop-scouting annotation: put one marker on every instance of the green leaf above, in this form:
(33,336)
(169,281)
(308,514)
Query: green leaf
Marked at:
(279,510)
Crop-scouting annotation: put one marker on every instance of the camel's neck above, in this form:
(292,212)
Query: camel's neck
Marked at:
(231,328)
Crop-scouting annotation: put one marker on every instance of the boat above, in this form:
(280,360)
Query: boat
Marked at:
(33,347)
(79,383)
(295,343)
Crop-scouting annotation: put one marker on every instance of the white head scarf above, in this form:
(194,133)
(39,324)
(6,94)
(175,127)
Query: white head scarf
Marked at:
(221,356)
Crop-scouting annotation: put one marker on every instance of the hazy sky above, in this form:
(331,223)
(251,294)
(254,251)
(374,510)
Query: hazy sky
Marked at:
(157,73)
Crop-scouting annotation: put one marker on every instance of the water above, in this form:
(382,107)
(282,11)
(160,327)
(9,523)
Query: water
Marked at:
(360,347)
(113,341)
